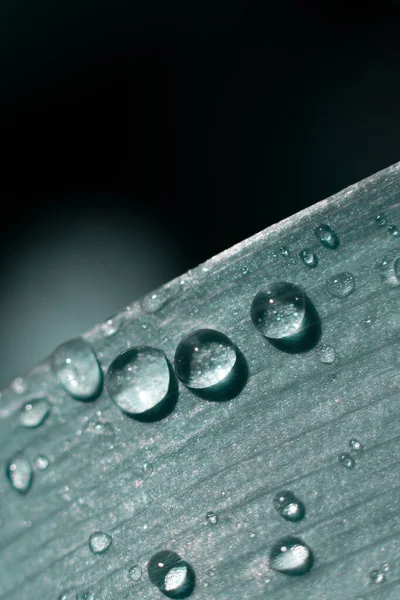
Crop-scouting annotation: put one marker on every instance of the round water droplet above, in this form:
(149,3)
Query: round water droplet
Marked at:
(205,358)
(34,413)
(289,507)
(245,270)
(135,573)
(327,237)
(87,596)
(341,285)
(19,473)
(139,380)
(389,268)
(309,258)
(41,462)
(278,310)
(211,518)
(173,576)
(377,576)
(291,556)
(76,367)
(385,567)
(284,251)
(19,385)
(326,354)
(393,230)
(355,445)
(99,542)
(381,219)
(69,595)
(346,461)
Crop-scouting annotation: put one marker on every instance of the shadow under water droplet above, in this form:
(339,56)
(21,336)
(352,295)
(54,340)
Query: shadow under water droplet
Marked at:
(308,335)
(231,386)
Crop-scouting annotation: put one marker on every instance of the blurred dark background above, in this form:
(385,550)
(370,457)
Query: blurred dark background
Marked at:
(139,139)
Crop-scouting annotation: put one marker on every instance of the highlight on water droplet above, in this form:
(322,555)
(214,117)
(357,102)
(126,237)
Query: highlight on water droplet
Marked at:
(394,231)
(211,517)
(346,460)
(327,237)
(355,445)
(388,268)
(341,285)
(77,369)
(99,542)
(172,575)
(139,381)
(309,258)
(34,413)
(326,354)
(291,556)
(19,473)
(289,506)
(135,573)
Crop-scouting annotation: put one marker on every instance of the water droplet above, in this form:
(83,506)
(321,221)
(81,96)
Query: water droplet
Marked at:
(385,567)
(393,230)
(111,325)
(346,460)
(326,354)
(355,445)
(69,595)
(309,258)
(139,380)
(211,518)
(389,268)
(19,473)
(377,576)
(205,358)
(291,556)
(327,237)
(41,462)
(284,251)
(76,367)
(173,576)
(87,596)
(381,219)
(99,542)
(245,270)
(289,507)
(341,285)
(34,413)
(135,573)
(278,310)
(19,385)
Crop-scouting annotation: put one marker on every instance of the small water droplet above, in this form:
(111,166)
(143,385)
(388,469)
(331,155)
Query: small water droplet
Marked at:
(385,567)
(87,596)
(393,230)
(111,325)
(135,573)
(381,219)
(76,367)
(99,542)
(309,258)
(291,556)
(326,354)
(389,268)
(34,413)
(341,285)
(377,577)
(346,460)
(278,310)
(289,506)
(174,577)
(355,445)
(19,473)
(19,385)
(245,270)
(139,380)
(327,237)
(211,518)
(69,595)
(41,462)
(205,358)
(284,251)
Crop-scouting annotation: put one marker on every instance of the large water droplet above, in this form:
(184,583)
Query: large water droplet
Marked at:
(389,268)
(173,576)
(346,460)
(76,367)
(135,573)
(309,258)
(278,310)
(99,542)
(205,358)
(326,354)
(341,285)
(327,237)
(19,473)
(34,412)
(289,506)
(139,381)
(291,556)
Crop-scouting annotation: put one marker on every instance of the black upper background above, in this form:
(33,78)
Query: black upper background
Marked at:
(208,119)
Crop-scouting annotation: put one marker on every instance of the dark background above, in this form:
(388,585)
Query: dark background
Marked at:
(139,139)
